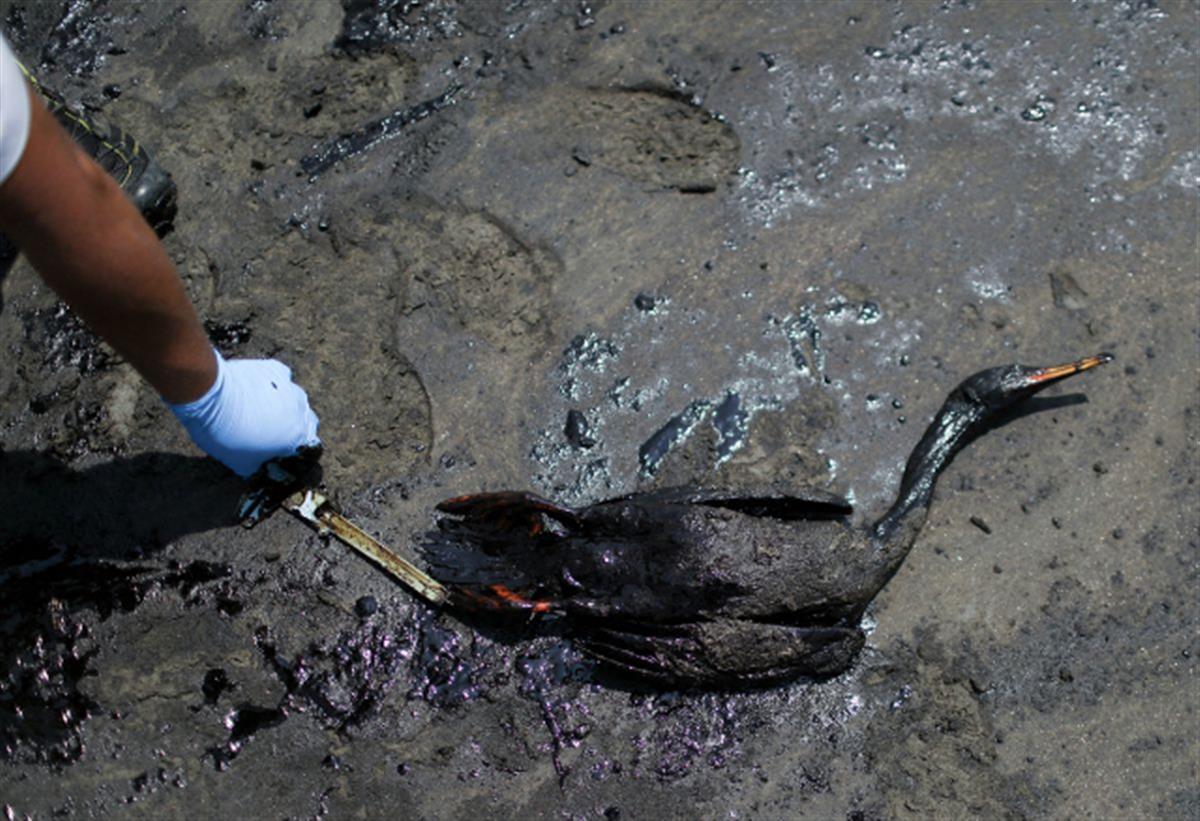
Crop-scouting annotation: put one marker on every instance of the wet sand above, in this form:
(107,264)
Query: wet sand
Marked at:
(740,242)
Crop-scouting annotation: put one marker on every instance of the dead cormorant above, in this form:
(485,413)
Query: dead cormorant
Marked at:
(707,587)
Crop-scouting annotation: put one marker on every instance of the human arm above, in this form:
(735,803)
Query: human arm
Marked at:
(91,245)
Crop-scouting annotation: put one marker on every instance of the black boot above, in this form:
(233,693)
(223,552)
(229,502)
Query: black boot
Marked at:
(145,182)
(149,187)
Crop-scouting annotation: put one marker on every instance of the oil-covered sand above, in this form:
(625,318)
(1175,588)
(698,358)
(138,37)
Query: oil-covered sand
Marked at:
(588,248)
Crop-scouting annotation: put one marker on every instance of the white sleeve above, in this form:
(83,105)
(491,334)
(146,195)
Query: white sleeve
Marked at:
(14,111)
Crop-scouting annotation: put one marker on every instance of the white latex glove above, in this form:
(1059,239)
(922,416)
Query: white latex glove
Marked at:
(252,413)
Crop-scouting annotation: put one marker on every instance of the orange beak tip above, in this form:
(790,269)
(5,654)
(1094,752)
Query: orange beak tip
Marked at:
(1061,371)
(1093,361)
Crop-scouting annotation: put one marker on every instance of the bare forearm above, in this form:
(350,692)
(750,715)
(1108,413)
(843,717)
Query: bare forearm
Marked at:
(106,263)
(92,246)
(94,249)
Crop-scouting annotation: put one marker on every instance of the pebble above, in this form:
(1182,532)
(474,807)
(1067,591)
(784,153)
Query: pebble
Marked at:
(366,606)
(578,431)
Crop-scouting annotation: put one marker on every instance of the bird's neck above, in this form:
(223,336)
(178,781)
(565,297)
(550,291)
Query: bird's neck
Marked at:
(955,424)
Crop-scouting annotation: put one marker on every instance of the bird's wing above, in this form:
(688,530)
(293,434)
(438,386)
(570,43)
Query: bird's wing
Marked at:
(721,653)
(496,550)
(764,500)
(509,509)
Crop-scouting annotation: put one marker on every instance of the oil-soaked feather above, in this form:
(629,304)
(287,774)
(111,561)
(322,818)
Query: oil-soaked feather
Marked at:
(766,501)
(509,509)
(473,553)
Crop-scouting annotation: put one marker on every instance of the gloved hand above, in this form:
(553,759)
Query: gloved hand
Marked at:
(252,413)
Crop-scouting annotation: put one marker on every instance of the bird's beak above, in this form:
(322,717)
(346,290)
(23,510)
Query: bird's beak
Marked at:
(1042,377)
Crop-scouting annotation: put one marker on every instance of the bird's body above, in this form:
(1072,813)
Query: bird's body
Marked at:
(708,586)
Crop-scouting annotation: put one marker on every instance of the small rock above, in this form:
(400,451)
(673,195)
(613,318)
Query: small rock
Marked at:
(981,524)
(644,302)
(578,431)
(216,682)
(1038,110)
(366,606)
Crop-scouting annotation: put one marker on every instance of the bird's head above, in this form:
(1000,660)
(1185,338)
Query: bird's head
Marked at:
(994,389)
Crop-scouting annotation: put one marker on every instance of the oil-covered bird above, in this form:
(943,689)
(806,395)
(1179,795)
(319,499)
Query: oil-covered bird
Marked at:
(709,587)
